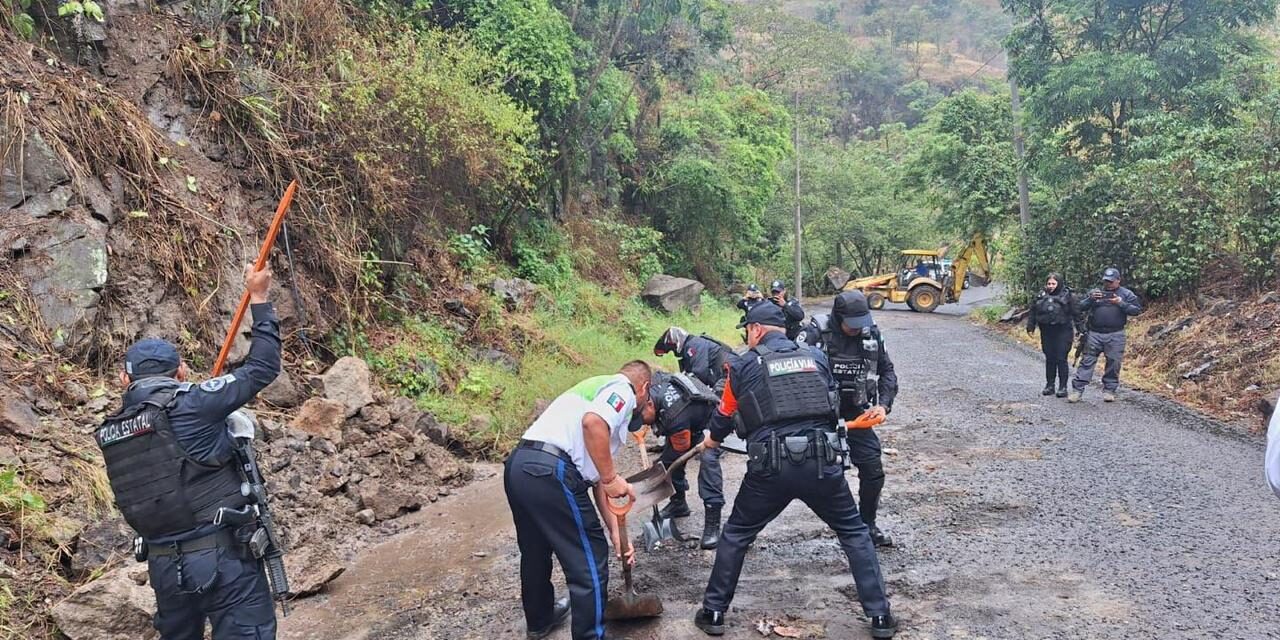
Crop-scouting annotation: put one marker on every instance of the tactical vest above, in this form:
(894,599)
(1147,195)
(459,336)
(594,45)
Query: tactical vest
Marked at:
(1052,309)
(792,389)
(159,489)
(680,391)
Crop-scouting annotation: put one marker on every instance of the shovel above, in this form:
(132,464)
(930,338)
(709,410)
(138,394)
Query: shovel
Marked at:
(629,605)
(657,529)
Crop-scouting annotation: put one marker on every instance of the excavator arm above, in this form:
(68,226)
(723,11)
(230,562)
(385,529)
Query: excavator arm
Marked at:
(973,258)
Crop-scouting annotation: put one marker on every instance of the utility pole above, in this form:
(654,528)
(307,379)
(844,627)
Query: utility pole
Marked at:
(1024,200)
(798,240)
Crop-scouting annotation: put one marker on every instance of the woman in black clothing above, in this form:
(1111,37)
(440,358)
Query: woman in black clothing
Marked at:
(1054,312)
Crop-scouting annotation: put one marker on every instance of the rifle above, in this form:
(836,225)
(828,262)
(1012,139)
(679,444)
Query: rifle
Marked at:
(264,543)
(1081,344)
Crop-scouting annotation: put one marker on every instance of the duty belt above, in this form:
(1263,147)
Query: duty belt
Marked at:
(545,448)
(219,538)
(767,456)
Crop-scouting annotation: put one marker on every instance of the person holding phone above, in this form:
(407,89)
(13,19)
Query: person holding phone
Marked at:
(1108,310)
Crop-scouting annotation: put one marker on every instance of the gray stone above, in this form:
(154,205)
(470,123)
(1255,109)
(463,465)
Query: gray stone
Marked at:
(835,279)
(113,607)
(366,517)
(386,502)
(515,292)
(282,392)
(433,429)
(65,272)
(46,204)
(404,410)
(349,383)
(376,417)
(310,569)
(498,358)
(41,171)
(670,294)
(98,545)
(1270,297)
(16,414)
(9,457)
(99,201)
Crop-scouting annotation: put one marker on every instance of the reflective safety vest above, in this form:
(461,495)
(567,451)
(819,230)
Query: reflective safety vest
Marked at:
(792,389)
(160,490)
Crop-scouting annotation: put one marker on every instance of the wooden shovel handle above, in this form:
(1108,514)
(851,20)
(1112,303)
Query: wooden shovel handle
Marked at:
(263,254)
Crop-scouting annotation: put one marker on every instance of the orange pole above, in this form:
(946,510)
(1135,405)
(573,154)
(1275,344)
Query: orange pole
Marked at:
(263,255)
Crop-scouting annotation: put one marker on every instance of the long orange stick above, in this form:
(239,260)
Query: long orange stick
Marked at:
(263,255)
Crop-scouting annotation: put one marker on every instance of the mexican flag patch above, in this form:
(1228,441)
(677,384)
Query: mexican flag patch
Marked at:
(617,402)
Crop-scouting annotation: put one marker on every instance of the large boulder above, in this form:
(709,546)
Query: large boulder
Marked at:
(322,418)
(348,382)
(386,501)
(41,172)
(114,607)
(834,279)
(671,294)
(98,545)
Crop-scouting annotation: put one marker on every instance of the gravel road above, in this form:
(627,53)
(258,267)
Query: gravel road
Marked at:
(1017,517)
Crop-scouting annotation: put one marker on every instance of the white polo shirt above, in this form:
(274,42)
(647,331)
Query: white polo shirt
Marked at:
(610,397)
(1273,451)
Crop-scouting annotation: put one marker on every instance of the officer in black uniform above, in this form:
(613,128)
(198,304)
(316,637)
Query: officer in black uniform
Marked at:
(704,359)
(172,467)
(861,366)
(684,406)
(790,308)
(788,404)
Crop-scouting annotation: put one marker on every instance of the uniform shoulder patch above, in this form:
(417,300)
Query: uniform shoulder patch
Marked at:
(214,385)
(616,402)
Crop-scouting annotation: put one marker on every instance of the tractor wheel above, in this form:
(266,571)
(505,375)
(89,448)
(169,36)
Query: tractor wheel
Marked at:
(924,299)
(875,301)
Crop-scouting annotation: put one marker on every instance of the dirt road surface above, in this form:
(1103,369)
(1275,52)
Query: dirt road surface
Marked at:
(1017,517)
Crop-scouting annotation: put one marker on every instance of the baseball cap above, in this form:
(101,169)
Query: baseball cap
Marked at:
(851,307)
(753,288)
(151,356)
(1111,274)
(776,286)
(766,314)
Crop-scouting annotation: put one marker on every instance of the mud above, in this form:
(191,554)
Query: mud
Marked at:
(1016,516)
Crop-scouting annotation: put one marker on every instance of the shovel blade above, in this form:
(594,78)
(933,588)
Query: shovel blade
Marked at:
(652,486)
(651,537)
(630,606)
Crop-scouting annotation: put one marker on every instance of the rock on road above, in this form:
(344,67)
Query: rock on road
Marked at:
(1017,517)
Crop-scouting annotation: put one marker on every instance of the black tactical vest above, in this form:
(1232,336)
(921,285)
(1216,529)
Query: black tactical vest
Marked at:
(159,489)
(677,393)
(854,361)
(792,389)
(1052,309)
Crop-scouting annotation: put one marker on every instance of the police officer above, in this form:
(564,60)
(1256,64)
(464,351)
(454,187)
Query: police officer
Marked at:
(862,368)
(786,399)
(1108,310)
(172,467)
(684,405)
(750,299)
(700,356)
(790,308)
(566,454)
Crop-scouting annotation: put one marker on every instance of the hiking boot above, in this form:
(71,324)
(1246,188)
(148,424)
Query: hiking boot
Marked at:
(1048,390)
(560,613)
(677,507)
(711,622)
(880,538)
(1075,396)
(711,528)
(884,626)
(1109,396)
(1062,392)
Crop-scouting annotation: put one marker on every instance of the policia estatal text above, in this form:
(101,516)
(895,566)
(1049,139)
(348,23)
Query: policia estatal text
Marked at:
(788,405)
(177,475)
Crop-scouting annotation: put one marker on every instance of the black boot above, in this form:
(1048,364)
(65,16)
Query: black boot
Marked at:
(884,626)
(711,622)
(1062,391)
(711,527)
(676,507)
(1048,390)
(881,538)
(560,613)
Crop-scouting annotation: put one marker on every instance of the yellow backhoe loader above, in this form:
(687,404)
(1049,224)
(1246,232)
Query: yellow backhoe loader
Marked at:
(924,280)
